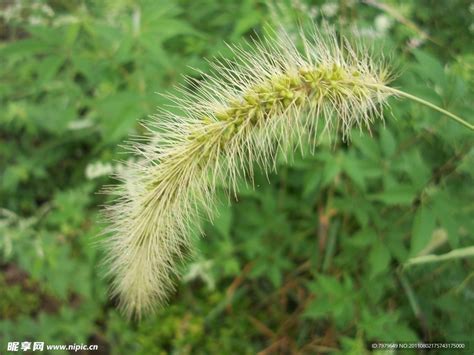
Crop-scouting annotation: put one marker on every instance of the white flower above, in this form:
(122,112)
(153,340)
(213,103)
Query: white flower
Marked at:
(201,270)
(65,20)
(383,23)
(98,169)
(329,9)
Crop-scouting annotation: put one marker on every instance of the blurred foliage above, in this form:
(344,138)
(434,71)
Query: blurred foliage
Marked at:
(310,261)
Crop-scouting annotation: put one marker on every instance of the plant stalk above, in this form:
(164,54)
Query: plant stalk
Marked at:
(434,107)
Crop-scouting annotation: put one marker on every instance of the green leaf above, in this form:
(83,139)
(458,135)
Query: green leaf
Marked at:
(317,309)
(430,67)
(423,226)
(398,195)
(223,220)
(118,114)
(332,168)
(413,164)
(363,238)
(367,145)
(312,180)
(275,276)
(70,33)
(388,142)
(25,47)
(48,67)
(352,168)
(379,259)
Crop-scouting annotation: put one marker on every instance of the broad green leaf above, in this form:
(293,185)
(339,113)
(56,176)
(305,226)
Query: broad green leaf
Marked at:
(352,167)
(118,114)
(25,47)
(363,238)
(48,67)
(430,67)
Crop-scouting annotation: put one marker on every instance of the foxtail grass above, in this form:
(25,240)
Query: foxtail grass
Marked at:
(270,100)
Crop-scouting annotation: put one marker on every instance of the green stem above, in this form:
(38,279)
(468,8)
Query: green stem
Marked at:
(410,294)
(434,107)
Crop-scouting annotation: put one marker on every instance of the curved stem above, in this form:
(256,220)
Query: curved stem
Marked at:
(434,107)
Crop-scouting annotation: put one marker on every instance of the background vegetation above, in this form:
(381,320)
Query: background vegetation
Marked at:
(311,262)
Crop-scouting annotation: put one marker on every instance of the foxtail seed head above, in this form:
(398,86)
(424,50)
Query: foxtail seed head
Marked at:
(268,100)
